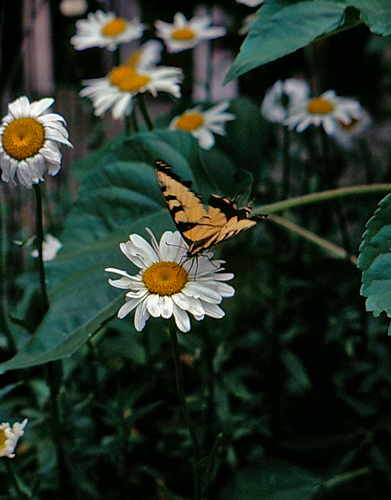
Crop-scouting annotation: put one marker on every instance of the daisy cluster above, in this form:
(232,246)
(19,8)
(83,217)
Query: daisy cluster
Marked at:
(290,103)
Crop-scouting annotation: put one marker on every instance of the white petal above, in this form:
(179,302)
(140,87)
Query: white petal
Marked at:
(213,310)
(128,306)
(182,320)
(153,306)
(141,316)
(166,307)
(37,107)
(199,291)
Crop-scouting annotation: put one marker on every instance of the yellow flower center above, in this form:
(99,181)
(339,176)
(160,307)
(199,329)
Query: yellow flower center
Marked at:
(183,34)
(23,138)
(165,278)
(114,28)
(126,78)
(3,439)
(190,121)
(319,106)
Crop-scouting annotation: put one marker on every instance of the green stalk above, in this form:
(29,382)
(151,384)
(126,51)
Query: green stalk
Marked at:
(307,199)
(22,490)
(144,111)
(185,411)
(4,316)
(39,233)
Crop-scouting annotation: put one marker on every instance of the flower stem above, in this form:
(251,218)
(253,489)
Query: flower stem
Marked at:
(298,201)
(286,163)
(39,232)
(4,317)
(185,410)
(22,490)
(144,111)
(127,125)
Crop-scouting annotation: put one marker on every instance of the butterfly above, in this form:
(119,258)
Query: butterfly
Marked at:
(202,228)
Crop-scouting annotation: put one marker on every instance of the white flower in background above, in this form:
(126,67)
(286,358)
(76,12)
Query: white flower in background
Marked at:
(50,248)
(146,56)
(203,124)
(30,141)
(251,3)
(73,8)
(105,30)
(326,110)
(168,284)
(282,96)
(9,437)
(117,90)
(184,34)
(248,21)
(346,134)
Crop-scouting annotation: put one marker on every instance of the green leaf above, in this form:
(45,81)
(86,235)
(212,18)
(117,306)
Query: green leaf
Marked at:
(272,480)
(376,14)
(375,260)
(280,30)
(118,198)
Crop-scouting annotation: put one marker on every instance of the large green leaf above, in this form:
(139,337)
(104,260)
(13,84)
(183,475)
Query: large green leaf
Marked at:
(119,197)
(375,260)
(282,28)
(272,480)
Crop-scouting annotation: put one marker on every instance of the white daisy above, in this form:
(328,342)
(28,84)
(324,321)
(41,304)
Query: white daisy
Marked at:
(73,8)
(50,248)
(117,90)
(105,30)
(325,110)
(184,34)
(30,141)
(282,96)
(345,134)
(146,56)
(203,124)
(251,3)
(9,437)
(168,284)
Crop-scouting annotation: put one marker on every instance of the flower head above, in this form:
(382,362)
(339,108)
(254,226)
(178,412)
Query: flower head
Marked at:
(30,141)
(117,90)
(203,124)
(184,34)
(168,284)
(345,134)
(326,110)
(50,248)
(9,437)
(146,56)
(71,8)
(251,3)
(282,96)
(105,30)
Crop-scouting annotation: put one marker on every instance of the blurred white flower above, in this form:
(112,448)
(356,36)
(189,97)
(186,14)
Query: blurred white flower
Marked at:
(282,96)
(184,34)
(146,56)
(251,3)
(345,134)
(50,248)
(117,90)
(203,124)
(326,110)
(73,8)
(30,141)
(169,285)
(105,30)
(9,437)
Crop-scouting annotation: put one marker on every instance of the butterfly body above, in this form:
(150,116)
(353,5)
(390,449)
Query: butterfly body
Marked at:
(201,227)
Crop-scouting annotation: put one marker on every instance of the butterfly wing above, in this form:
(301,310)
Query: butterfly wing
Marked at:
(201,228)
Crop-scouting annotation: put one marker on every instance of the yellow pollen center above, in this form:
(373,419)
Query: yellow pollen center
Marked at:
(114,28)
(183,34)
(3,439)
(23,138)
(319,106)
(190,121)
(165,278)
(126,78)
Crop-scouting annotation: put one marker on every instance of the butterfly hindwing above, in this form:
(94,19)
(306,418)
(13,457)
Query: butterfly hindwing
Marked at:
(201,228)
